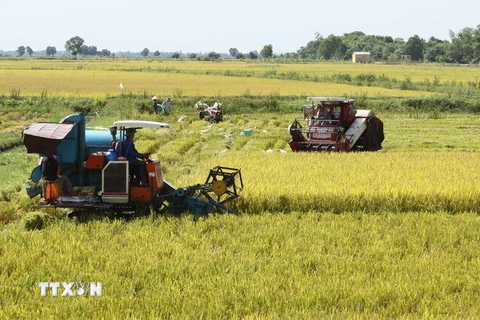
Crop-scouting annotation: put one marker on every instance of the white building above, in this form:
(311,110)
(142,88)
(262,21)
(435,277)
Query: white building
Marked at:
(361,57)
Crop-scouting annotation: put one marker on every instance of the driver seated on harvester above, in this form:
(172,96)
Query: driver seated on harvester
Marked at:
(324,113)
(136,166)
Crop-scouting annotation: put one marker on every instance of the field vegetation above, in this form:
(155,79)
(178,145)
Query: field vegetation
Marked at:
(298,265)
(97,77)
(435,73)
(387,234)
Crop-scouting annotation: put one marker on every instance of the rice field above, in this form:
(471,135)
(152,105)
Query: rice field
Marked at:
(422,72)
(265,266)
(101,84)
(101,78)
(425,165)
(390,234)
(380,182)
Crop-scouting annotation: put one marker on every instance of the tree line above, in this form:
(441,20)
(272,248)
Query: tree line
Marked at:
(464,48)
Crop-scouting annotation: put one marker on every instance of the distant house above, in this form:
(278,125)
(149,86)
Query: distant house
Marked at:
(361,57)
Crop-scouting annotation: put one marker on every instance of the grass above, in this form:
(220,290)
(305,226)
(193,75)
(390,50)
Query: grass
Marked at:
(14,202)
(300,265)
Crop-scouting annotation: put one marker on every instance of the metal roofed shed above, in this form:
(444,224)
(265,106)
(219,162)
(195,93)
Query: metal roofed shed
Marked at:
(361,57)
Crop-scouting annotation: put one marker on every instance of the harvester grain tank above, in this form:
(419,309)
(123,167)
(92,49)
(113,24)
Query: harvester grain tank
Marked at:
(334,124)
(104,181)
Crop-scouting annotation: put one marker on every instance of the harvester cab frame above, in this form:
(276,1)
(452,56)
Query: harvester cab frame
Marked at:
(334,124)
(102,179)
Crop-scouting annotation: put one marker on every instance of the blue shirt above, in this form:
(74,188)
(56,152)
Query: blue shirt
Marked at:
(129,151)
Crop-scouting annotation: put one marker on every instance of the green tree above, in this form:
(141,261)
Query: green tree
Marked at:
(398,54)
(387,50)
(414,48)
(332,48)
(310,51)
(476,45)
(51,51)
(156,53)
(29,51)
(233,52)
(21,51)
(145,52)
(89,50)
(253,55)
(435,50)
(267,51)
(74,45)
(213,56)
(239,55)
(105,53)
(342,47)
(176,55)
(465,46)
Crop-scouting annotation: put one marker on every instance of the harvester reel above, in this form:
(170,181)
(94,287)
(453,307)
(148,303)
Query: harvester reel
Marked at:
(226,183)
(295,127)
(219,187)
(222,185)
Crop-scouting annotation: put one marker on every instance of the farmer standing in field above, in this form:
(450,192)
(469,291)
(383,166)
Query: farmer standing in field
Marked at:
(155,104)
(166,106)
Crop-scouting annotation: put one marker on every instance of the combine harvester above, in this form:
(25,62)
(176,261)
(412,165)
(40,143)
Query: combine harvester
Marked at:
(333,124)
(104,182)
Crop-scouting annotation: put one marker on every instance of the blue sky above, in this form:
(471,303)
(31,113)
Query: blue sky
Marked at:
(218,25)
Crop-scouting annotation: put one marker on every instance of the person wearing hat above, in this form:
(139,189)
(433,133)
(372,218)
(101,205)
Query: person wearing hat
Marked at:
(166,105)
(129,151)
(50,173)
(155,104)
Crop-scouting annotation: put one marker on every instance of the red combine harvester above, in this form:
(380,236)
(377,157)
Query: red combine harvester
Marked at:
(333,124)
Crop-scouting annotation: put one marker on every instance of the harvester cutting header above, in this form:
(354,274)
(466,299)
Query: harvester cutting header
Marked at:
(93,162)
(333,124)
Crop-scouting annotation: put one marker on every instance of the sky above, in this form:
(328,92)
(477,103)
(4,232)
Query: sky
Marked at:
(202,26)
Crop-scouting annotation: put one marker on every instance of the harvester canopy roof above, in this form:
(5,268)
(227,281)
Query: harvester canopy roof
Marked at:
(327,99)
(138,124)
(45,137)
